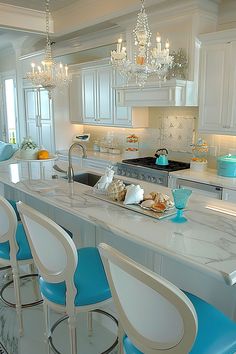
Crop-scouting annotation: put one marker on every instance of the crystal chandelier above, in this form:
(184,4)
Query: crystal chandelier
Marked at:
(147,61)
(50,74)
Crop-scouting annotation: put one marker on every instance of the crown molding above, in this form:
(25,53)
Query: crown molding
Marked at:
(219,36)
(173,10)
(23,19)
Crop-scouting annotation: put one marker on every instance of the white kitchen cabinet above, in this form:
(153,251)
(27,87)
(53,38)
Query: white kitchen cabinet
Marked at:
(75,98)
(198,282)
(97,95)
(38,116)
(217,106)
(170,93)
(94,100)
(125,116)
(133,250)
(229,195)
(122,114)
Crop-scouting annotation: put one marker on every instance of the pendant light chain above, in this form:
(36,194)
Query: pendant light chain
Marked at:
(49,74)
(47,22)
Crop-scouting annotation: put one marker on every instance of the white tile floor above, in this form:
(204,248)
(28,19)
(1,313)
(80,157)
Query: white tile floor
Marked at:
(33,341)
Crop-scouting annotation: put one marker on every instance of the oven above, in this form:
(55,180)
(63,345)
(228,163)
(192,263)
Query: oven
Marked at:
(146,169)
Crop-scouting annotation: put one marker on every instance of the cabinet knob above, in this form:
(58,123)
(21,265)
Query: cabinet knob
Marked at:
(153,179)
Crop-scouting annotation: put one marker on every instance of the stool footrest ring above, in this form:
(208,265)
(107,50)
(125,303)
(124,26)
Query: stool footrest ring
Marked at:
(108,350)
(11,304)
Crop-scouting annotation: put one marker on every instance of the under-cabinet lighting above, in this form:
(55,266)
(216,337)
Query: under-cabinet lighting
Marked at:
(221,210)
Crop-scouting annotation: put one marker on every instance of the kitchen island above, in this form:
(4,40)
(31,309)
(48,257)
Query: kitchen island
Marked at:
(199,256)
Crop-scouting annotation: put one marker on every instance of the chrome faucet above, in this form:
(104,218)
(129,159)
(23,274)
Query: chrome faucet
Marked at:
(70,172)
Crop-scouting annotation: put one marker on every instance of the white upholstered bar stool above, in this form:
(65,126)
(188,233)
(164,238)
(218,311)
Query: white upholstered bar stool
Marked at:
(157,317)
(71,281)
(14,252)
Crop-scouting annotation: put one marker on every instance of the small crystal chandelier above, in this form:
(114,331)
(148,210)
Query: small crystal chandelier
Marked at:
(147,62)
(50,74)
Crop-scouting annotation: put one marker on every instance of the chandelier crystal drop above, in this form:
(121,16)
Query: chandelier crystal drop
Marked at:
(49,74)
(147,61)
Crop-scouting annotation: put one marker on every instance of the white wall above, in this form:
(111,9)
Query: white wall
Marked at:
(7,60)
(64,130)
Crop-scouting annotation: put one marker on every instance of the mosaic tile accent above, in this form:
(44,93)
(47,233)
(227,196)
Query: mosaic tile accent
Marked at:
(177,133)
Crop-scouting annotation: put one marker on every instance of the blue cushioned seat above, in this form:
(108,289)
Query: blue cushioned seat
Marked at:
(216,332)
(129,347)
(89,279)
(13,204)
(24,248)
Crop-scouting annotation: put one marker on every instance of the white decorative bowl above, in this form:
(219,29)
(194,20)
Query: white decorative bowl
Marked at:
(29,154)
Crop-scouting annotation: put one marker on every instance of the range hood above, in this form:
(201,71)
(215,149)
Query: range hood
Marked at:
(170,93)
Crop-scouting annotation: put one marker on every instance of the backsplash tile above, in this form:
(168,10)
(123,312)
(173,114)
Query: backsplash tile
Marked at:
(156,136)
(177,133)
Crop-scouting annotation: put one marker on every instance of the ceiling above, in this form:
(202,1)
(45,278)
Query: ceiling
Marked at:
(39,4)
(84,20)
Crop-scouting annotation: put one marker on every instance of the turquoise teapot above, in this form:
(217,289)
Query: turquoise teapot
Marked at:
(161,157)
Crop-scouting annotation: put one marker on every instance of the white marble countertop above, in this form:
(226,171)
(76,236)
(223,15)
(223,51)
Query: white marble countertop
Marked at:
(209,176)
(207,241)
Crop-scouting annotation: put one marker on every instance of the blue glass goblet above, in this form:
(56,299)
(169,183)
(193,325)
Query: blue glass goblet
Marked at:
(181,196)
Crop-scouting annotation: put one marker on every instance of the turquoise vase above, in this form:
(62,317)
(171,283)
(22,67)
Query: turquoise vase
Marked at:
(181,197)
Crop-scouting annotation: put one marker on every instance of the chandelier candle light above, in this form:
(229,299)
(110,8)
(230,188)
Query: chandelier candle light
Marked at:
(50,74)
(147,62)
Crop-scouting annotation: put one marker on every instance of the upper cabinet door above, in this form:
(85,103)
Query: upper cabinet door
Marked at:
(122,114)
(89,95)
(104,95)
(214,87)
(75,97)
(231,116)
(217,105)
(93,99)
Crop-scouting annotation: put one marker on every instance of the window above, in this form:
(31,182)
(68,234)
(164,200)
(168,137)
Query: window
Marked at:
(10,111)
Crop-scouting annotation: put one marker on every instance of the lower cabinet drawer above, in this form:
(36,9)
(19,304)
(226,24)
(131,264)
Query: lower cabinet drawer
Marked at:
(229,195)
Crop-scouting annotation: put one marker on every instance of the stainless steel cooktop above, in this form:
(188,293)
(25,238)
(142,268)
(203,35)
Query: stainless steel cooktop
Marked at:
(145,168)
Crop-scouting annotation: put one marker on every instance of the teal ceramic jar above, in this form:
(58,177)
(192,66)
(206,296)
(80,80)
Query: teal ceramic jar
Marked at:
(226,166)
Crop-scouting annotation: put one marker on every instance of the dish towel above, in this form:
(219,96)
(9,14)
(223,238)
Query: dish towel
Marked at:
(177,133)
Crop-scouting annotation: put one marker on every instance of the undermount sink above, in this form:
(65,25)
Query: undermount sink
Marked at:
(89,179)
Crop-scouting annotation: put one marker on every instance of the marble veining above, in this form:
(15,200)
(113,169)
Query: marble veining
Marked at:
(207,241)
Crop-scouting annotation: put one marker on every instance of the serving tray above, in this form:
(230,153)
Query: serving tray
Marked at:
(134,207)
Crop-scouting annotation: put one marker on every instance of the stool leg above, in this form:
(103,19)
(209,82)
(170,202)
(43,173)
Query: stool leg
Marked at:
(33,270)
(90,323)
(121,334)
(47,332)
(16,281)
(72,333)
